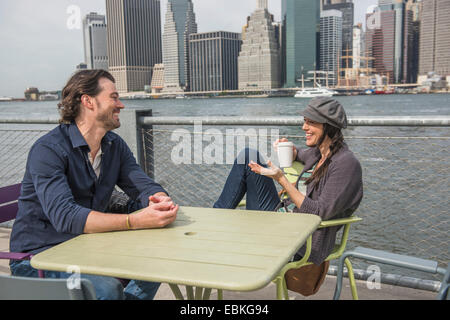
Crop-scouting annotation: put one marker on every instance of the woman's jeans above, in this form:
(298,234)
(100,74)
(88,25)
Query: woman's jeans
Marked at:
(261,192)
(106,288)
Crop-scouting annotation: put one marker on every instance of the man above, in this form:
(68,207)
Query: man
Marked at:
(70,176)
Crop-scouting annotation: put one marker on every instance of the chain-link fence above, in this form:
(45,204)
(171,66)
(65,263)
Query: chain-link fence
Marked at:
(405,173)
(15,145)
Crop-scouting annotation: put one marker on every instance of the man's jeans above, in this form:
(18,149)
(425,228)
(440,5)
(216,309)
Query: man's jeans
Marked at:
(261,192)
(106,288)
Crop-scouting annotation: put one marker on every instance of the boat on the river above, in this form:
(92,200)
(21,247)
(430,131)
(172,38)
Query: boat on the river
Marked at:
(315,92)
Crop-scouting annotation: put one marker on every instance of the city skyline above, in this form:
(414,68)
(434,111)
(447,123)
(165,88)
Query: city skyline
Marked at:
(43,52)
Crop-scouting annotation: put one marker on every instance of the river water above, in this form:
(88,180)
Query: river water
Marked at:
(380,105)
(406,169)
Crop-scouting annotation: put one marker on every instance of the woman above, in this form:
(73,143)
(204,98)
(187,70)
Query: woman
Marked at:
(333,190)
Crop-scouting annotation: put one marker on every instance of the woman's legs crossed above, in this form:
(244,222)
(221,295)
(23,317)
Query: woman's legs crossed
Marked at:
(261,191)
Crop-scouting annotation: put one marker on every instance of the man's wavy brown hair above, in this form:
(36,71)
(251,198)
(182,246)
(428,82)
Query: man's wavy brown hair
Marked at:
(81,83)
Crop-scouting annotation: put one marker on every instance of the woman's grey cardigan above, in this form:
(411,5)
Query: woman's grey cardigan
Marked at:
(337,195)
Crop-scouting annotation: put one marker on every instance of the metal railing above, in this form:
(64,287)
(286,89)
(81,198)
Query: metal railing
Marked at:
(405,162)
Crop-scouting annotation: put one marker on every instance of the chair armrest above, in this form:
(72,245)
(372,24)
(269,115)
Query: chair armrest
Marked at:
(15,256)
(339,222)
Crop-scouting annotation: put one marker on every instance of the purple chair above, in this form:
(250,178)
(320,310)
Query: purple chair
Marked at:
(8,211)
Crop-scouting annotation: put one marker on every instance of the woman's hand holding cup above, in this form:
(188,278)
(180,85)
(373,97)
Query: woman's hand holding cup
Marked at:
(286,151)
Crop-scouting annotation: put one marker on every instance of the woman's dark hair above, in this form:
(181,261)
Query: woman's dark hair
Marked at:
(81,83)
(337,142)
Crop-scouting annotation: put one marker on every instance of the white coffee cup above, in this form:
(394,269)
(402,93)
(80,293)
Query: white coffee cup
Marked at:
(285,154)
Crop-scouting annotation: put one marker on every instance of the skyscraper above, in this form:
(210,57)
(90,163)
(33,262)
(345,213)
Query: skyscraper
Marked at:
(413,43)
(134,41)
(180,23)
(300,47)
(94,36)
(330,43)
(380,44)
(389,40)
(259,59)
(348,12)
(214,61)
(358,47)
(435,38)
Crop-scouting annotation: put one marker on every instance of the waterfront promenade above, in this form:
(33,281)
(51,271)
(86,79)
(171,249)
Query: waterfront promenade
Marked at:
(387,292)
(405,161)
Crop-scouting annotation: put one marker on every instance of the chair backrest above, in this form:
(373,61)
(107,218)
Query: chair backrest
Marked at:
(293,173)
(20,288)
(8,202)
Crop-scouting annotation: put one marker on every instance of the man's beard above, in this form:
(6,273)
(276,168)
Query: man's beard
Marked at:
(107,119)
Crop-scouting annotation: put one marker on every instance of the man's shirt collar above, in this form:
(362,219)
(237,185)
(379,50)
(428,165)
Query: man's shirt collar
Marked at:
(76,137)
(78,140)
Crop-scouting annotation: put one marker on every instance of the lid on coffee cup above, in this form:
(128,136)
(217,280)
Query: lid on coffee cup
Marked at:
(285,144)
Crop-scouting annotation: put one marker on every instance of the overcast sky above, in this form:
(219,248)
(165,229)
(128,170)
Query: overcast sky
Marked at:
(39,49)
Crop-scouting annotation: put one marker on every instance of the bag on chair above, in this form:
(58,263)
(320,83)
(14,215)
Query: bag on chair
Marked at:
(307,280)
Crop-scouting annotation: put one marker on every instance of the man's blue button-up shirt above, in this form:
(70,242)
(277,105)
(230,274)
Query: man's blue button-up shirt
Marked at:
(60,187)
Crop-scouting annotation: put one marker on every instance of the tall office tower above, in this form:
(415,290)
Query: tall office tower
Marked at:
(380,43)
(358,46)
(259,59)
(330,43)
(301,24)
(94,38)
(389,40)
(435,38)
(415,6)
(180,23)
(214,61)
(134,41)
(348,13)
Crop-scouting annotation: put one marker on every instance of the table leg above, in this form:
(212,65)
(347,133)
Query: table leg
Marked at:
(207,294)
(176,291)
(189,293)
(200,293)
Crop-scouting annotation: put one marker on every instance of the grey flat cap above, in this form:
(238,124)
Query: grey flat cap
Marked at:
(326,110)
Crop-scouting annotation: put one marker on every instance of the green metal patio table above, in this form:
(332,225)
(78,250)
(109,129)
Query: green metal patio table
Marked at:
(205,248)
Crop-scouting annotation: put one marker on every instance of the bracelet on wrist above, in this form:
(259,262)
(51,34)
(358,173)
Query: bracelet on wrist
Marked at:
(128,222)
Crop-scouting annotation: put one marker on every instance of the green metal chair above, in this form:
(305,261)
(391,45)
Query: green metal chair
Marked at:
(21,288)
(398,260)
(282,292)
(292,175)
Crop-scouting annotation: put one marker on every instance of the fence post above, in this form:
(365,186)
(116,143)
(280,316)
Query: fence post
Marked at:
(132,131)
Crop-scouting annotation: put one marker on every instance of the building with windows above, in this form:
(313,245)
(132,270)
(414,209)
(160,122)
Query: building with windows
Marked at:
(435,38)
(214,61)
(300,44)
(134,42)
(380,44)
(157,84)
(179,24)
(358,46)
(259,59)
(94,38)
(348,12)
(389,41)
(330,44)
